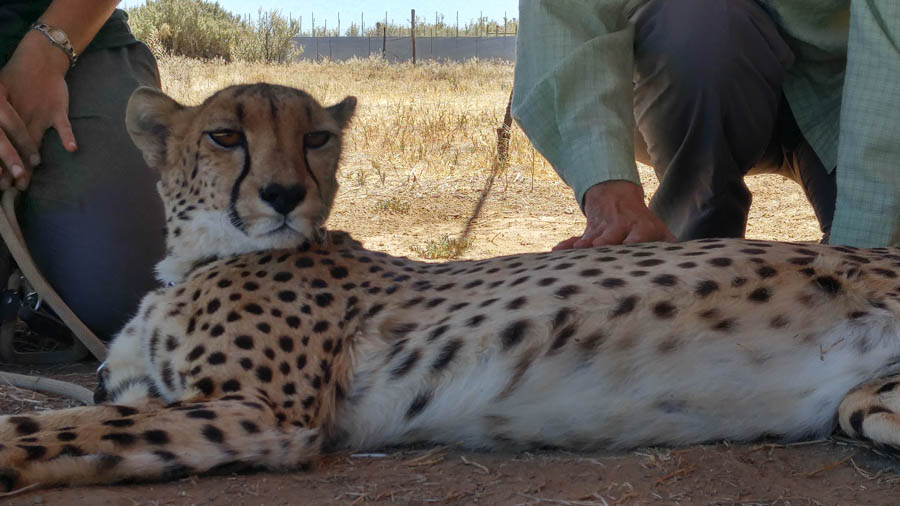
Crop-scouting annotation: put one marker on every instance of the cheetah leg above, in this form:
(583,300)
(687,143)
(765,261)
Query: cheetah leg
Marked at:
(16,426)
(872,411)
(169,443)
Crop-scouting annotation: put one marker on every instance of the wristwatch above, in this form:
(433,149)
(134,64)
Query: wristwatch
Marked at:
(59,39)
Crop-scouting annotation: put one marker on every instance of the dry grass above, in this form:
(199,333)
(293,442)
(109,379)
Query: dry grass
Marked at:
(422,146)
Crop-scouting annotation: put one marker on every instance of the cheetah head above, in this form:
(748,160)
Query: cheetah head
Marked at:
(251,168)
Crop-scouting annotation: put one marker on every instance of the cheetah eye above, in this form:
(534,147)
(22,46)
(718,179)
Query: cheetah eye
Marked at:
(226,138)
(315,140)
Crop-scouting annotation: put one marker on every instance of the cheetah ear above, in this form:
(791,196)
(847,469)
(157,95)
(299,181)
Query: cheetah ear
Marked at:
(148,119)
(343,111)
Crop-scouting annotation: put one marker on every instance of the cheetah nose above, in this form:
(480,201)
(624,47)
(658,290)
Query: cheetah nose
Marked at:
(282,199)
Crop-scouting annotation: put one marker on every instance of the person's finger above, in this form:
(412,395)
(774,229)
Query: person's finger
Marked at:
(10,157)
(612,235)
(594,229)
(15,129)
(64,129)
(567,244)
(5,181)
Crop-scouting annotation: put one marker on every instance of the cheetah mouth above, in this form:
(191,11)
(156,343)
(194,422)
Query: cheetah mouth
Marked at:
(282,228)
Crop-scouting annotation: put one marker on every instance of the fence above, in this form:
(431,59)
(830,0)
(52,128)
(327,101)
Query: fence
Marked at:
(398,49)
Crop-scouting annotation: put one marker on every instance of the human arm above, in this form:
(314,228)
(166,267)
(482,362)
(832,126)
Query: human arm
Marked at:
(573,98)
(33,91)
(867,211)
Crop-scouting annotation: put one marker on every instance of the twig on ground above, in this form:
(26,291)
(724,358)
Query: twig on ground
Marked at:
(829,467)
(466,461)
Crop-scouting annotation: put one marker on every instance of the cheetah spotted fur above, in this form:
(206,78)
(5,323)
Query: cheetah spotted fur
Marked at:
(276,341)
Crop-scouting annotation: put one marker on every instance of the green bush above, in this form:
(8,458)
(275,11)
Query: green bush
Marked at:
(204,30)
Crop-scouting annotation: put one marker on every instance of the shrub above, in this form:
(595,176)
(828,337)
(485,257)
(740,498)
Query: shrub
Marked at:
(204,30)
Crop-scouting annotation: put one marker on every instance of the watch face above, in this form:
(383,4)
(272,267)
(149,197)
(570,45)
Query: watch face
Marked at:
(57,35)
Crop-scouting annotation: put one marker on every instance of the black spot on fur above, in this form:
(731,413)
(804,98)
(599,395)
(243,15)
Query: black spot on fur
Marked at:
(408,363)
(567,291)
(887,387)
(448,351)
(562,337)
(126,410)
(213,434)
(665,280)
(725,325)
(705,288)
(516,303)
(625,306)
(475,320)
(612,283)
(664,310)
(24,425)
(244,342)
(231,385)
(204,414)
(856,421)
(339,272)
(196,352)
(120,438)
(119,422)
(205,385)
(779,321)
(766,272)
(514,333)
(418,404)
(156,437)
(827,284)
(761,294)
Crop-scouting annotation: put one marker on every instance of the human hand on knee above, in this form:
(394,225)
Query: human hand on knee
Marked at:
(33,98)
(616,214)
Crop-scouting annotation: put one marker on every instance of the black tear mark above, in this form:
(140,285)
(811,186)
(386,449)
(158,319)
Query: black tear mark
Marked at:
(233,215)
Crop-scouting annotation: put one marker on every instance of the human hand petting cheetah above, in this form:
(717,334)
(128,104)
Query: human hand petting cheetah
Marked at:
(616,214)
(33,98)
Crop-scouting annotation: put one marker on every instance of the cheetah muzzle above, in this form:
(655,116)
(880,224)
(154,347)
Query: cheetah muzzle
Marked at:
(276,341)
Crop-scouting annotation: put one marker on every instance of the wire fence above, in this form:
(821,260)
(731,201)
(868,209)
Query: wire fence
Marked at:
(400,49)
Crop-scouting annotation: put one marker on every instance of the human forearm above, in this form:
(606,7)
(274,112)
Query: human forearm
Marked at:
(80,19)
(573,88)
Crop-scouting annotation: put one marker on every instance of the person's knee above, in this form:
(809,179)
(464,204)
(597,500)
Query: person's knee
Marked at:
(703,45)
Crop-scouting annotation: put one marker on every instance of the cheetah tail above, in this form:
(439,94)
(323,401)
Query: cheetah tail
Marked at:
(167,443)
(872,411)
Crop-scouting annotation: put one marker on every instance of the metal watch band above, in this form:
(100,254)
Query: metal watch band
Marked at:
(59,39)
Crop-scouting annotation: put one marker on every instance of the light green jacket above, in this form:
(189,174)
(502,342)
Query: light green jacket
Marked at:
(573,97)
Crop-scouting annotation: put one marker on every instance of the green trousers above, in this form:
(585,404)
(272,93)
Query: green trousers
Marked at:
(92,219)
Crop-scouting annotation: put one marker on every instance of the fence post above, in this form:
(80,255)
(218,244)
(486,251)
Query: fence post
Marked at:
(413,19)
(384,43)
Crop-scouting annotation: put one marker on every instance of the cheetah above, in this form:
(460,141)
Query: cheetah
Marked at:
(275,340)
